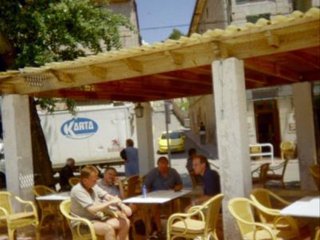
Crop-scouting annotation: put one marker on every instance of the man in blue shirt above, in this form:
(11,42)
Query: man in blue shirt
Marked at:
(131,159)
(163,177)
(211,179)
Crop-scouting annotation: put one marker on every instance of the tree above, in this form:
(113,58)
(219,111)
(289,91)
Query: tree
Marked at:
(35,32)
(175,34)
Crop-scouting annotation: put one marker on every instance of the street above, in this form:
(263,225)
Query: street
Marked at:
(178,160)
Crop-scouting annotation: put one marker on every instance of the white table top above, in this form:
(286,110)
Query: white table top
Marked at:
(54,197)
(154,197)
(304,207)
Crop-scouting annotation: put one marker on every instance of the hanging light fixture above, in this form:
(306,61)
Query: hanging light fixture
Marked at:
(138,110)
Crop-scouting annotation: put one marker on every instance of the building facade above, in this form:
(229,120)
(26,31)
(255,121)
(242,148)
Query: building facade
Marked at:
(270,111)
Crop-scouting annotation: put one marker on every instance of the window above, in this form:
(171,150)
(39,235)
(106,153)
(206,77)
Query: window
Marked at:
(254,18)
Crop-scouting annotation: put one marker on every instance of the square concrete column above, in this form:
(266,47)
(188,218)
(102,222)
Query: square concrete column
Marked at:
(145,140)
(306,142)
(17,145)
(232,136)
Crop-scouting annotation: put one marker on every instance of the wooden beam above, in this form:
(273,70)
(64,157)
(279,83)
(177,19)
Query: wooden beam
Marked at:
(100,72)
(305,59)
(272,69)
(311,76)
(195,52)
(62,76)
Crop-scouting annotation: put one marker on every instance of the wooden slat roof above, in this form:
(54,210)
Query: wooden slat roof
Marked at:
(281,51)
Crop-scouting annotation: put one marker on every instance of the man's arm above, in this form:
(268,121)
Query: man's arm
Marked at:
(178,182)
(96,207)
(124,208)
(121,188)
(148,180)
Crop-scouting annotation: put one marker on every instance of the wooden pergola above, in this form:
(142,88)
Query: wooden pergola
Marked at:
(284,50)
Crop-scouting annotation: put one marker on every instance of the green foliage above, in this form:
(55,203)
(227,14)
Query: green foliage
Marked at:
(42,31)
(47,104)
(176,34)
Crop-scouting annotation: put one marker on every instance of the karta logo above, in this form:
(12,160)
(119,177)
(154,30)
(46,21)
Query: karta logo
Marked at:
(78,128)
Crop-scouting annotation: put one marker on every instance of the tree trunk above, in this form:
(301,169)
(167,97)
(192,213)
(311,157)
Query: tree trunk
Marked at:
(42,166)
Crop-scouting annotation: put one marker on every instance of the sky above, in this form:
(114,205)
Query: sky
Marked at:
(157,18)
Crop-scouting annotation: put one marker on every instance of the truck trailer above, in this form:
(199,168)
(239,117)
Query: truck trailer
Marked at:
(94,135)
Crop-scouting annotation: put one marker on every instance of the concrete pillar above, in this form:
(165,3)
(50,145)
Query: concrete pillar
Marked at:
(17,145)
(145,140)
(232,136)
(306,142)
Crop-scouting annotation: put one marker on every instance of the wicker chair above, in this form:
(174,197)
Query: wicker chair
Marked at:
(288,150)
(73,181)
(317,234)
(199,221)
(81,228)
(13,220)
(255,149)
(268,208)
(315,172)
(272,176)
(242,209)
(48,208)
(133,186)
(262,171)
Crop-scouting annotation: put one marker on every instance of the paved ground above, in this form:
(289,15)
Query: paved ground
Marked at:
(178,161)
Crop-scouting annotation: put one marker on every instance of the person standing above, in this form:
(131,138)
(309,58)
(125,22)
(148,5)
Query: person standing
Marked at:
(202,133)
(131,159)
(66,173)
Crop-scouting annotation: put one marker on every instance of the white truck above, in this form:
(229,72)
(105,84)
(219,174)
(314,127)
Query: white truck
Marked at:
(95,135)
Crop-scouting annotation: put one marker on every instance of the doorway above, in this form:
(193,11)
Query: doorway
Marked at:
(267,123)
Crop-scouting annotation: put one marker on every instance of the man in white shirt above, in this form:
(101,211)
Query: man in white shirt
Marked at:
(89,201)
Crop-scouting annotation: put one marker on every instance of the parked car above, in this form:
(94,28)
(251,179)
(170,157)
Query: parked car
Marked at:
(176,142)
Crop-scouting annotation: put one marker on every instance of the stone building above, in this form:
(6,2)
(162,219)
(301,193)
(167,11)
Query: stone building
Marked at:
(270,111)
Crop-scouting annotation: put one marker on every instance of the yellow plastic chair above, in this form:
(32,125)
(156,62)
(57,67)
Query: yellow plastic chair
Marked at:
(268,208)
(28,216)
(242,209)
(272,176)
(262,171)
(315,172)
(81,228)
(288,150)
(199,221)
(73,181)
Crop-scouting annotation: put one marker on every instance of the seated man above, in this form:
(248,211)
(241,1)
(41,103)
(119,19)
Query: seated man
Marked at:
(111,183)
(162,178)
(210,178)
(88,201)
(195,179)
(65,173)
